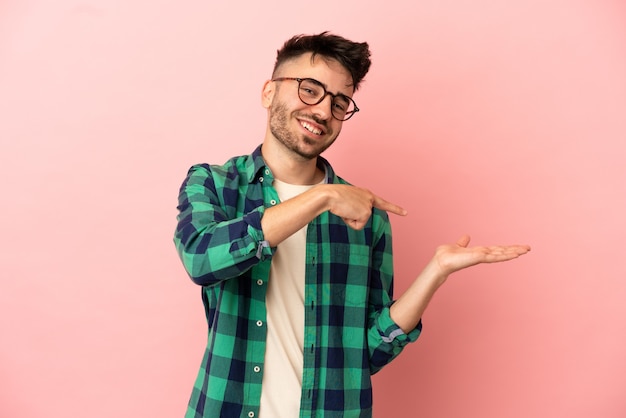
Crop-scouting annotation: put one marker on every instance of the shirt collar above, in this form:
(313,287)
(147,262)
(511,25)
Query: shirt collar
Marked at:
(255,167)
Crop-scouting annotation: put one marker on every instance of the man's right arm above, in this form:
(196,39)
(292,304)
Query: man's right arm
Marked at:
(352,204)
(215,246)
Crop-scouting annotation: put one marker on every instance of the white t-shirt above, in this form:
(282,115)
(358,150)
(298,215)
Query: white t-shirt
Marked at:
(282,375)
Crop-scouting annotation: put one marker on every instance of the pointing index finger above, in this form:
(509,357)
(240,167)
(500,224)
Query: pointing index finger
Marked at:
(382,204)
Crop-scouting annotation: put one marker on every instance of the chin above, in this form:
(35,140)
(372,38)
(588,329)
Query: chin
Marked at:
(311,150)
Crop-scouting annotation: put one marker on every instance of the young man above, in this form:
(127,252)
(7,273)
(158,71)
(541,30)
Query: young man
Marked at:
(295,264)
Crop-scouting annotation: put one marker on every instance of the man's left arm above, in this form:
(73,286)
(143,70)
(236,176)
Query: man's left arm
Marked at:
(409,308)
(394,324)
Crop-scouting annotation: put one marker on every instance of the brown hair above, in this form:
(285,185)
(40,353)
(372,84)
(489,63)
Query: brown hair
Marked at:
(353,56)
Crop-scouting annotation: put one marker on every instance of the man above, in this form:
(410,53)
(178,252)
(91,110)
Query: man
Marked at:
(295,264)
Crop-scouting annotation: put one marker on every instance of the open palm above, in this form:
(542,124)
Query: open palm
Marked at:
(455,257)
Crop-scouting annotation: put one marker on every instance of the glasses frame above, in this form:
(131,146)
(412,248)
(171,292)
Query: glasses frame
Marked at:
(326,93)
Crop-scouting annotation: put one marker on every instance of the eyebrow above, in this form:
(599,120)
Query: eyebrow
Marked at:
(326,88)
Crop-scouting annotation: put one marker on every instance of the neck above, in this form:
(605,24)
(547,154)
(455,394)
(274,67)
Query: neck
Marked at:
(290,168)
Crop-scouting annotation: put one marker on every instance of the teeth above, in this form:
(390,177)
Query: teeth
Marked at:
(311,129)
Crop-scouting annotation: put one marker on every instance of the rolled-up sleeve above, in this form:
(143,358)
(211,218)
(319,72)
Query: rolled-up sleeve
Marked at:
(388,339)
(213,241)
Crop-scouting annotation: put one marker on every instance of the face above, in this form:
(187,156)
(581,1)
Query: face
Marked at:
(305,130)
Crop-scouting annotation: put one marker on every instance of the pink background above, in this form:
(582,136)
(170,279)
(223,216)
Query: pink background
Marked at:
(506,120)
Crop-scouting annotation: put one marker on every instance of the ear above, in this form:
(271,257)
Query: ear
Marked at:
(267,95)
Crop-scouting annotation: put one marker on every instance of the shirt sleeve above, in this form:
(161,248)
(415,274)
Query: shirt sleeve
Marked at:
(385,338)
(213,242)
(388,340)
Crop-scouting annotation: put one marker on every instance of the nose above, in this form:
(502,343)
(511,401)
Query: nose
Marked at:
(323,109)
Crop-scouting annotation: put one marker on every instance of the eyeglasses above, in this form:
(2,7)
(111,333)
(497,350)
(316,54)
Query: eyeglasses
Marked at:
(312,92)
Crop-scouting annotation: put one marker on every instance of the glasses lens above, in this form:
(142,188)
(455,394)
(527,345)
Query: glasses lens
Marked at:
(312,92)
(343,107)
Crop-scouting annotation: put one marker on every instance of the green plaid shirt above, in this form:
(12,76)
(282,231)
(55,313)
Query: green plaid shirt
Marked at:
(348,333)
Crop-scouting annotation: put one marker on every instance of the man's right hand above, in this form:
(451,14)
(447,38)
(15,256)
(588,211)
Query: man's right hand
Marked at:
(354,204)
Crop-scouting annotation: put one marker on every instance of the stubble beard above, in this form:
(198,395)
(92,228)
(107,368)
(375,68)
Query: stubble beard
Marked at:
(279,119)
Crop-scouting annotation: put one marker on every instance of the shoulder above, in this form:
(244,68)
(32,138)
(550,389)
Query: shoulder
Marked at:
(233,168)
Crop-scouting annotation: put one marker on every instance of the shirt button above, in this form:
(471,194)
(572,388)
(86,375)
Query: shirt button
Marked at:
(261,179)
(257,369)
(267,172)
(273,202)
(259,323)
(251,414)
(259,282)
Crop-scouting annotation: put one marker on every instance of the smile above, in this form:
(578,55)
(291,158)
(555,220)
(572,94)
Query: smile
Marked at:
(310,128)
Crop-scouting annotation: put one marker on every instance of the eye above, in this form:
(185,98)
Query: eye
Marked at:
(311,89)
(341,103)
(339,106)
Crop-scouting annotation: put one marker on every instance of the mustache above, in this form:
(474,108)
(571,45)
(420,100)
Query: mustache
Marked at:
(314,118)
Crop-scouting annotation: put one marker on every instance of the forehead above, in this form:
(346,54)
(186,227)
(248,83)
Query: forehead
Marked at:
(334,76)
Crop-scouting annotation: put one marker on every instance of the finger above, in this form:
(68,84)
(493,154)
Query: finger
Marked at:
(354,223)
(517,249)
(382,204)
(496,258)
(504,253)
(463,241)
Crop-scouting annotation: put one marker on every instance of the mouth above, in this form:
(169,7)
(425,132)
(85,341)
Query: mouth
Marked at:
(315,130)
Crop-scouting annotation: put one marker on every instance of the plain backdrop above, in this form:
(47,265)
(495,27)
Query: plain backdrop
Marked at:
(502,119)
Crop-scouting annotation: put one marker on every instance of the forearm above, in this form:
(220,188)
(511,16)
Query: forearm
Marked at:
(283,220)
(408,309)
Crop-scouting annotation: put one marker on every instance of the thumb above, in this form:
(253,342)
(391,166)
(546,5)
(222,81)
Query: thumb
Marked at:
(463,241)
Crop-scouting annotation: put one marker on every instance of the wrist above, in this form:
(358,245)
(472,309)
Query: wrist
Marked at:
(326,196)
(435,274)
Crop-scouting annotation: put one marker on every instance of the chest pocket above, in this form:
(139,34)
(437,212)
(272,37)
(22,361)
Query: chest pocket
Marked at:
(349,276)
